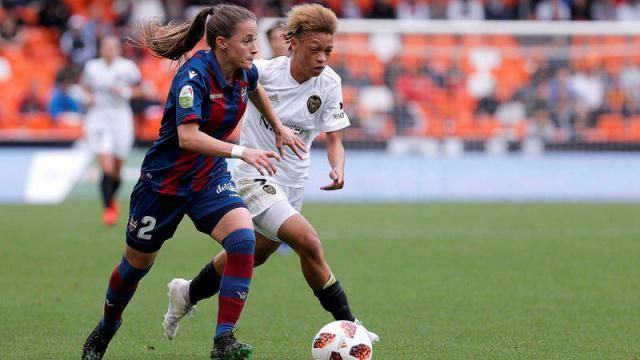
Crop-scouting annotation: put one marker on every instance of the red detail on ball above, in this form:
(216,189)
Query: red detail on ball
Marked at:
(349,328)
(323,340)
(360,351)
(335,356)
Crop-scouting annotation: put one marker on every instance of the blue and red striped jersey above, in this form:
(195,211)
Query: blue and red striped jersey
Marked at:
(199,92)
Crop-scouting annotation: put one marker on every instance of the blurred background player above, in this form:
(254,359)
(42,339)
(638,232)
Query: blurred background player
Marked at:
(110,81)
(307,95)
(277,44)
(185,172)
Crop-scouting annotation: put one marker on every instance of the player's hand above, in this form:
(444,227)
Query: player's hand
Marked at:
(337,175)
(288,137)
(261,160)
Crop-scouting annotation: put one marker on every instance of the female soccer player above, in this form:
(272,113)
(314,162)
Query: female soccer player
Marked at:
(307,96)
(184,172)
(110,81)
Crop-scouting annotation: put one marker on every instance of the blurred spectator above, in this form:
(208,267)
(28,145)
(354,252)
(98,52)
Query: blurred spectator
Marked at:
(96,27)
(438,9)
(11,29)
(628,10)
(382,9)
(31,101)
(405,115)
(351,9)
(552,10)
(538,111)
(78,43)
(499,10)
(560,85)
(604,10)
(54,13)
(563,116)
(581,10)
(465,10)
(589,88)
(62,104)
(412,10)
(146,9)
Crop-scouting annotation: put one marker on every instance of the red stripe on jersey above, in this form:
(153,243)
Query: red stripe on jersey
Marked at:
(239,265)
(190,118)
(200,180)
(184,163)
(218,107)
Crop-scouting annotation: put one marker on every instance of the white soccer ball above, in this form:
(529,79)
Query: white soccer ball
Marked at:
(342,340)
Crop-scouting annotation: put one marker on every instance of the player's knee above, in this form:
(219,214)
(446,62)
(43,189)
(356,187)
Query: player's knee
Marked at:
(310,247)
(241,241)
(259,259)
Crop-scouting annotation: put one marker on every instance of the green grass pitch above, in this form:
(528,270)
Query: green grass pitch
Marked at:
(436,281)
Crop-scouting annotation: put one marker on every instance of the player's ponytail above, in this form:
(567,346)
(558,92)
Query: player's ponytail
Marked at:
(174,41)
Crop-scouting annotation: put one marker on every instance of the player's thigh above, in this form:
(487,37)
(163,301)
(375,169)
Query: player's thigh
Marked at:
(97,133)
(298,233)
(269,222)
(265,247)
(153,218)
(218,210)
(122,133)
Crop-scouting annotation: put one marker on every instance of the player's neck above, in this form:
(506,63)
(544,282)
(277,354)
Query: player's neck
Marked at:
(297,74)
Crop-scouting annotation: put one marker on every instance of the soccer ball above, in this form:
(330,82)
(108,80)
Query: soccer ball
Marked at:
(342,340)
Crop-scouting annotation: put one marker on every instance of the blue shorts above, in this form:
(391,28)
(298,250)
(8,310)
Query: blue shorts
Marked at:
(154,217)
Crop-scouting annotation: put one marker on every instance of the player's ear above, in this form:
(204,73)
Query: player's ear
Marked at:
(294,43)
(221,43)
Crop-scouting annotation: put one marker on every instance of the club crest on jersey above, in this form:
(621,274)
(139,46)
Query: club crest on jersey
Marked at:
(243,93)
(186,97)
(269,189)
(313,103)
(133,224)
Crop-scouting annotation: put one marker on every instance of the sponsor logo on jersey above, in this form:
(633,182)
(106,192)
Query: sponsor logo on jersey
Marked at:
(269,189)
(225,187)
(192,74)
(133,224)
(339,115)
(186,97)
(215,96)
(274,98)
(313,103)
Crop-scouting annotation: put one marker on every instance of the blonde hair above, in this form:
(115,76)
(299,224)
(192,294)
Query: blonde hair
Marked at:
(174,41)
(303,19)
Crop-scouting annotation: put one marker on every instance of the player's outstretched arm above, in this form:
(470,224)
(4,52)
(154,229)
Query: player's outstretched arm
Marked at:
(336,156)
(284,135)
(192,139)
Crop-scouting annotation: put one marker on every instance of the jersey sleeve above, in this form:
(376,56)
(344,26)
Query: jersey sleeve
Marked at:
(252,78)
(190,93)
(333,116)
(134,74)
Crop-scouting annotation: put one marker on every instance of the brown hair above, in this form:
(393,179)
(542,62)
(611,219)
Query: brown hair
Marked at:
(303,19)
(173,41)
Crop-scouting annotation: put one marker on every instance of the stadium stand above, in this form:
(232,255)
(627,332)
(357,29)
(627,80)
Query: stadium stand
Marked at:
(573,88)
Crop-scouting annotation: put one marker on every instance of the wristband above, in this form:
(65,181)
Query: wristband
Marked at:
(236,151)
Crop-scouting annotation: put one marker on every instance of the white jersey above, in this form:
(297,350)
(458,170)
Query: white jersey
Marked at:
(101,79)
(310,108)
